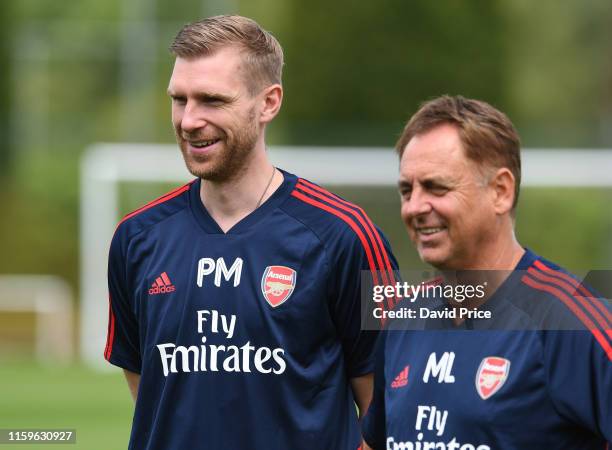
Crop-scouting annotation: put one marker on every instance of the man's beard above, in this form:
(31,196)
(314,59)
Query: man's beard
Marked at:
(229,161)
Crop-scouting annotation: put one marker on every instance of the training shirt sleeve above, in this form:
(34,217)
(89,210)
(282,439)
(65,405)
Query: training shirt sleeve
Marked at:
(373,256)
(373,427)
(122,344)
(579,373)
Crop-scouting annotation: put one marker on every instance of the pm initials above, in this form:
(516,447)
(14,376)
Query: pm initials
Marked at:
(208,266)
(440,368)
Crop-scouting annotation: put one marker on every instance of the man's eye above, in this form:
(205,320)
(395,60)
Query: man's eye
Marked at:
(438,190)
(211,100)
(405,193)
(178,100)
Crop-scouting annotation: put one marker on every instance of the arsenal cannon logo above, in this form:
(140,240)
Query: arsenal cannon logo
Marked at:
(491,375)
(277,284)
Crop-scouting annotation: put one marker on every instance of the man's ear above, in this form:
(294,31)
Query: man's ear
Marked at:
(272,98)
(503,183)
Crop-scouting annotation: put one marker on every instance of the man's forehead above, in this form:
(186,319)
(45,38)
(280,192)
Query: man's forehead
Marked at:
(442,140)
(422,174)
(436,155)
(430,165)
(221,67)
(439,143)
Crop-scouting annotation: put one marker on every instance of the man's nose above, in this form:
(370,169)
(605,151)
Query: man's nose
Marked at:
(192,118)
(418,204)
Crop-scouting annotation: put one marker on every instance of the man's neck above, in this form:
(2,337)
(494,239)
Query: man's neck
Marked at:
(230,201)
(504,256)
(497,249)
(495,267)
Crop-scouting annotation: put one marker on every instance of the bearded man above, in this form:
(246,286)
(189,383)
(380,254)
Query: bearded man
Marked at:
(234,300)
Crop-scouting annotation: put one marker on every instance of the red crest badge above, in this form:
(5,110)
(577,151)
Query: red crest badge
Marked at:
(277,284)
(491,375)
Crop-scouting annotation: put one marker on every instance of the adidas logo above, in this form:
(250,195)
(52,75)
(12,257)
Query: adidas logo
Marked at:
(401,379)
(162,285)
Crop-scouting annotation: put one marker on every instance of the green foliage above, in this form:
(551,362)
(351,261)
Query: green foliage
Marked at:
(354,71)
(571,227)
(39,229)
(5,132)
(354,80)
(559,74)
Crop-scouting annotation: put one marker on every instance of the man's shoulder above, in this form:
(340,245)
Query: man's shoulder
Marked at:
(330,216)
(544,276)
(566,300)
(154,211)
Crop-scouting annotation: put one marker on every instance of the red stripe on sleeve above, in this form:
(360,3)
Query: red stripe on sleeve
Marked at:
(107,328)
(572,306)
(555,281)
(359,219)
(385,268)
(367,219)
(350,223)
(164,198)
(354,227)
(583,290)
(107,333)
(111,331)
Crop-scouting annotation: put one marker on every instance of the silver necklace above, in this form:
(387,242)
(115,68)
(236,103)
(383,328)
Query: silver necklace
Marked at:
(266,189)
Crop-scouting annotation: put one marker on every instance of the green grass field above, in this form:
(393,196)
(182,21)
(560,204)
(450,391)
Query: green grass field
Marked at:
(97,405)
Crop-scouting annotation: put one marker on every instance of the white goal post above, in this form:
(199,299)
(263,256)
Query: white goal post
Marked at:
(105,166)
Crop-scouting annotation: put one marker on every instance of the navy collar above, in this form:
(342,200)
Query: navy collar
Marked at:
(208,224)
(526,260)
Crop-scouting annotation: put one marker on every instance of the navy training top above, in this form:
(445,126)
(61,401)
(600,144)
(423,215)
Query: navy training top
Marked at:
(468,388)
(245,339)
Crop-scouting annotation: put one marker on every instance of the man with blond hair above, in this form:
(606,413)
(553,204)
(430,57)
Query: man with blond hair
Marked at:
(234,300)
(525,365)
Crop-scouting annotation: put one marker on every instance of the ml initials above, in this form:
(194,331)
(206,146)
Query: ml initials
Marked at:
(207,266)
(441,369)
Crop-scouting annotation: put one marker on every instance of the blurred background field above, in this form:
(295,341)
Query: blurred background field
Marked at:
(76,73)
(98,405)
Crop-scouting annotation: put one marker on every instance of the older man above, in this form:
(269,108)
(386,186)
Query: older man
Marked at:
(471,384)
(234,300)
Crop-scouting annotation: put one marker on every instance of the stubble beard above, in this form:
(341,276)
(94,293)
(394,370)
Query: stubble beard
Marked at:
(228,162)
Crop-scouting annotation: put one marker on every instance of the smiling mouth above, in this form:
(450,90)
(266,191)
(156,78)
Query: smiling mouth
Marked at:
(203,144)
(427,231)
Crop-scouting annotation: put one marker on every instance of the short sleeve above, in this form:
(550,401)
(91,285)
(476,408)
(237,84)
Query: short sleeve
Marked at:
(122,343)
(369,252)
(373,427)
(579,371)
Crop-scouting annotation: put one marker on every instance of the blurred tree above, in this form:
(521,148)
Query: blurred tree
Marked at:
(559,70)
(356,70)
(5,132)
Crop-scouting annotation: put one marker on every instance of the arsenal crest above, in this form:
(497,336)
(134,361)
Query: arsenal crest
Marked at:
(491,375)
(277,284)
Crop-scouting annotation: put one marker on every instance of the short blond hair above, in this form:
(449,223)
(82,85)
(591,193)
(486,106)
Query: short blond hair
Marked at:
(263,55)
